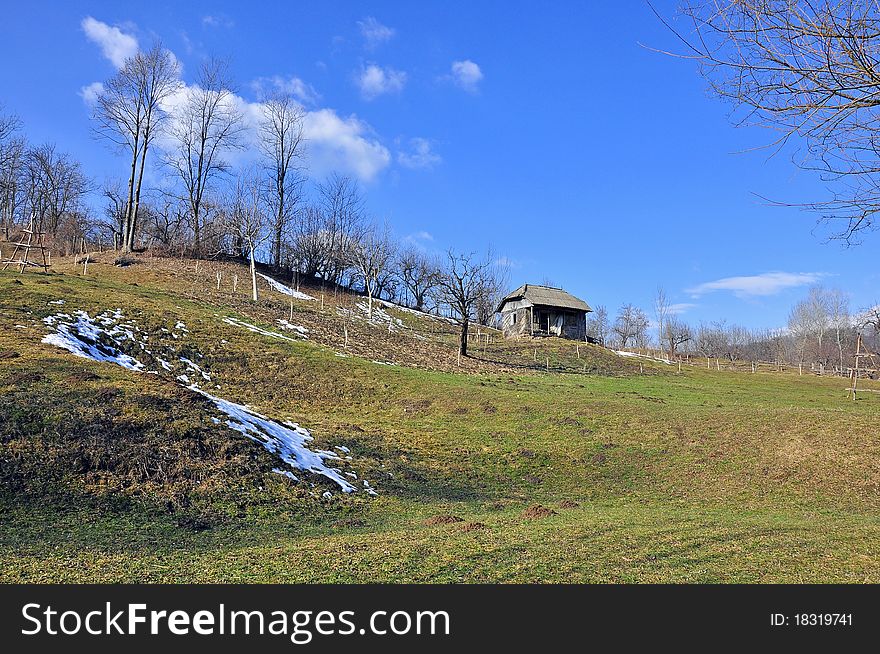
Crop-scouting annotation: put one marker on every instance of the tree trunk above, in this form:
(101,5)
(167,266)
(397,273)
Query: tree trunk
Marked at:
(253,275)
(463,340)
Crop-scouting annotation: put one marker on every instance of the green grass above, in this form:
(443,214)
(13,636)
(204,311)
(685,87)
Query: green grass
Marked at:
(703,476)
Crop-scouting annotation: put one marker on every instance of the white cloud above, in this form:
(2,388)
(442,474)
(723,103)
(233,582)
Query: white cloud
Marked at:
(466,74)
(334,143)
(679,308)
(116,45)
(765,284)
(374,81)
(90,93)
(296,87)
(374,32)
(218,21)
(420,155)
(344,144)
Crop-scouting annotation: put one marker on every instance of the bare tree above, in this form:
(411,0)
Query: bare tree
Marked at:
(53,186)
(244,217)
(661,310)
(799,324)
(129,114)
(598,326)
(631,325)
(204,129)
(13,151)
(817,306)
(465,279)
(283,145)
(841,321)
(807,70)
(675,333)
(497,280)
(342,217)
(372,256)
(419,275)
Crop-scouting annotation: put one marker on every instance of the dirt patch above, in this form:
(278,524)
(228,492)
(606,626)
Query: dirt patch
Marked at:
(82,376)
(568,504)
(495,506)
(350,523)
(529,454)
(538,511)
(472,526)
(442,520)
(196,523)
(24,378)
(490,408)
(460,411)
(599,459)
(533,479)
(8,354)
(416,406)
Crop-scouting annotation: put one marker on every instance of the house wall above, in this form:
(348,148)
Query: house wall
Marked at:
(522,319)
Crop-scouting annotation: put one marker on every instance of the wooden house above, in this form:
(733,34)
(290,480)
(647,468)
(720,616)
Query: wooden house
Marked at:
(533,310)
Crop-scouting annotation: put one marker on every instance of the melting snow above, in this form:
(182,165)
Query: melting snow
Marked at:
(82,337)
(101,339)
(302,331)
(235,322)
(192,367)
(624,353)
(286,290)
(416,312)
(287,442)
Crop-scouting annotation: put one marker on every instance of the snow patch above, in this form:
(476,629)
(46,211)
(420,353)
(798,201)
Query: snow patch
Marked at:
(302,331)
(101,339)
(235,322)
(287,442)
(83,337)
(286,290)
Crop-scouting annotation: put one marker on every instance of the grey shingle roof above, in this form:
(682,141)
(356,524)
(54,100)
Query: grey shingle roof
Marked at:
(546,296)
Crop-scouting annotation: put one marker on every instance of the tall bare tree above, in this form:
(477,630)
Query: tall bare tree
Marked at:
(283,144)
(661,311)
(243,215)
(465,279)
(342,222)
(204,129)
(129,113)
(804,69)
(372,256)
(841,321)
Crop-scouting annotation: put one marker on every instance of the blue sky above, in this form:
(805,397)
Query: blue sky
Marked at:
(542,129)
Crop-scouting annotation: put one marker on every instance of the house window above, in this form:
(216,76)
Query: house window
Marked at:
(513,319)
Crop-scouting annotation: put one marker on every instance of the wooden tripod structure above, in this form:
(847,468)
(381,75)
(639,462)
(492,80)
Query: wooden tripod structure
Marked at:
(861,354)
(35,241)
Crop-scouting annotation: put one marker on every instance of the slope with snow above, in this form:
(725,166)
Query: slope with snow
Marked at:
(286,290)
(104,337)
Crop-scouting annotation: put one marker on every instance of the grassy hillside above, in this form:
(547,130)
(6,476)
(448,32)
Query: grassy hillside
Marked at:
(605,468)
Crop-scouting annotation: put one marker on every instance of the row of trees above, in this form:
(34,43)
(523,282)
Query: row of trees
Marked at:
(822,331)
(40,181)
(205,205)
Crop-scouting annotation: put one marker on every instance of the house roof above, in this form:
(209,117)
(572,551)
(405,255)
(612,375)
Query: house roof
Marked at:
(545,296)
